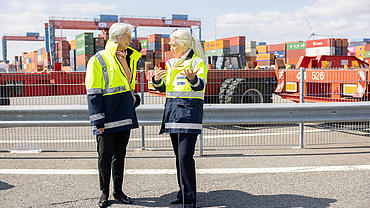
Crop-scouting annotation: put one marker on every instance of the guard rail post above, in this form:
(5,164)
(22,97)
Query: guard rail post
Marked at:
(301,100)
(142,76)
(201,143)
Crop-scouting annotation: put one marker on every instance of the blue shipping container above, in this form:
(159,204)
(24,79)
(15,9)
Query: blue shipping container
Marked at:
(237,50)
(180,16)
(108,18)
(261,43)
(278,54)
(154,46)
(33,34)
(81,68)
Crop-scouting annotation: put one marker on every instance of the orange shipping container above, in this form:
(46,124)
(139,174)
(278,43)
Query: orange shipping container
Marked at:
(73,44)
(360,49)
(218,44)
(265,56)
(236,41)
(261,48)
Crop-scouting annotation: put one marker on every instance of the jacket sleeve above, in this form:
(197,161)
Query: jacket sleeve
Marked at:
(200,81)
(94,87)
(160,85)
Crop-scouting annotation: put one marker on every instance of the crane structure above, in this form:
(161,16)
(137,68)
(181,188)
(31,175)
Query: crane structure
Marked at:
(98,24)
(7,38)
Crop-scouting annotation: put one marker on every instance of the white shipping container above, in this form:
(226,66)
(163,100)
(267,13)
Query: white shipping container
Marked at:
(320,51)
(250,45)
(250,52)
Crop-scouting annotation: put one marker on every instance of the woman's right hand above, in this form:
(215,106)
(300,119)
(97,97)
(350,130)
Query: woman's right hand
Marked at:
(159,74)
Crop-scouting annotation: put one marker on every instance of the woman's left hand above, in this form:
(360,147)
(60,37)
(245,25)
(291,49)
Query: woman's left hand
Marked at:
(190,74)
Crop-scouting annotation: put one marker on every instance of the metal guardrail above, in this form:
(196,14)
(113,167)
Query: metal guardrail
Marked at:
(214,114)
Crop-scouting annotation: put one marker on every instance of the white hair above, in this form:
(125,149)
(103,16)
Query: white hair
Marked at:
(118,29)
(185,39)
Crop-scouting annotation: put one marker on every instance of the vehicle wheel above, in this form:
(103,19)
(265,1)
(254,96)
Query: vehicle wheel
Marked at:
(4,99)
(242,91)
(223,89)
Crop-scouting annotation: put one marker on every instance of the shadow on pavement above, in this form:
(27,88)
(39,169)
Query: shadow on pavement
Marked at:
(235,198)
(4,186)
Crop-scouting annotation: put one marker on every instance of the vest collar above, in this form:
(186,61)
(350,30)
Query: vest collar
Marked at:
(111,47)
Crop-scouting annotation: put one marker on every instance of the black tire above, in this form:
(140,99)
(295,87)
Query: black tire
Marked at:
(244,91)
(223,89)
(4,96)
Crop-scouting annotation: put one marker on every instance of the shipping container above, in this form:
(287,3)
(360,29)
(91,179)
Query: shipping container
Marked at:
(218,44)
(265,56)
(72,57)
(84,39)
(249,45)
(292,61)
(278,54)
(367,54)
(33,34)
(154,38)
(276,47)
(261,48)
(179,16)
(73,44)
(108,18)
(360,48)
(328,42)
(236,41)
(295,53)
(217,52)
(316,51)
(296,46)
(261,43)
(99,42)
(237,50)
(144,44)
(156,46)
(85,50)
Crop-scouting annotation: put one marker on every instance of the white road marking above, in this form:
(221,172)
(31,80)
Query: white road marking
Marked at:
(166,138)
(199,171)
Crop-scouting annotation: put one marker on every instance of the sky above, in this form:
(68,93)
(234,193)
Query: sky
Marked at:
(268,21)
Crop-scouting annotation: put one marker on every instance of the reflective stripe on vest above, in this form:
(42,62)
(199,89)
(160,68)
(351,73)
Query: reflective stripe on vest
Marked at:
(97,116)
(94,91)
(116,124)
(191,94)
(183,126)
(107,90)
(104,68)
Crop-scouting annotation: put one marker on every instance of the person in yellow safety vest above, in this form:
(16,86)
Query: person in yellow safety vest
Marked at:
(184,82)
(110,84)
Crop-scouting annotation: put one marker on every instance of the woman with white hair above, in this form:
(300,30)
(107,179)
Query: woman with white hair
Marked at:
(110,84)
(184,82)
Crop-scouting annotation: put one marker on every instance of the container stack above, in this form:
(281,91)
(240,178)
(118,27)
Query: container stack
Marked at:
(250,54)
(294,50)
(154,52)
(99,44)
(263,57)
(165,47)
(62,52)
(278,50)
(217,48)
(84,50)
(237,47)
(367,53)
(320,47)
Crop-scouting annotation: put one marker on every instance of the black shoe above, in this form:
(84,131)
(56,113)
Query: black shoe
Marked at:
(121,197)
(103,201)
(176,201)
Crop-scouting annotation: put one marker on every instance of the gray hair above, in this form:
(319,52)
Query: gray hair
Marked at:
(184,38)
(118,29)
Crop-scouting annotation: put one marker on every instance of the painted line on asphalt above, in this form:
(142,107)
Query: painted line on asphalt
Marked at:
(199,171)
(218,136)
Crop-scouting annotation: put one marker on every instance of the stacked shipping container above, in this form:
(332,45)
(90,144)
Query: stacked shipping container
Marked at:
(294,50)
(84,50)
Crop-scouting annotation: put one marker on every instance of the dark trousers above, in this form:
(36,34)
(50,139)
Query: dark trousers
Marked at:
(184,147)
(112,152)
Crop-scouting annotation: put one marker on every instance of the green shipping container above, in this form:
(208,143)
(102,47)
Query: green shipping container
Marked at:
(85,49)
(85,39)
(144,43)
(367,54)
(217,52)
(296,46)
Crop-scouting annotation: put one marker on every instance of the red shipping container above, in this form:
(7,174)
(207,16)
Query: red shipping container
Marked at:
(236,41)
(367,47)
(276,47)
(328,42)
(367,60)
(344,42)
(81,60)
(295,53)
(154,38)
